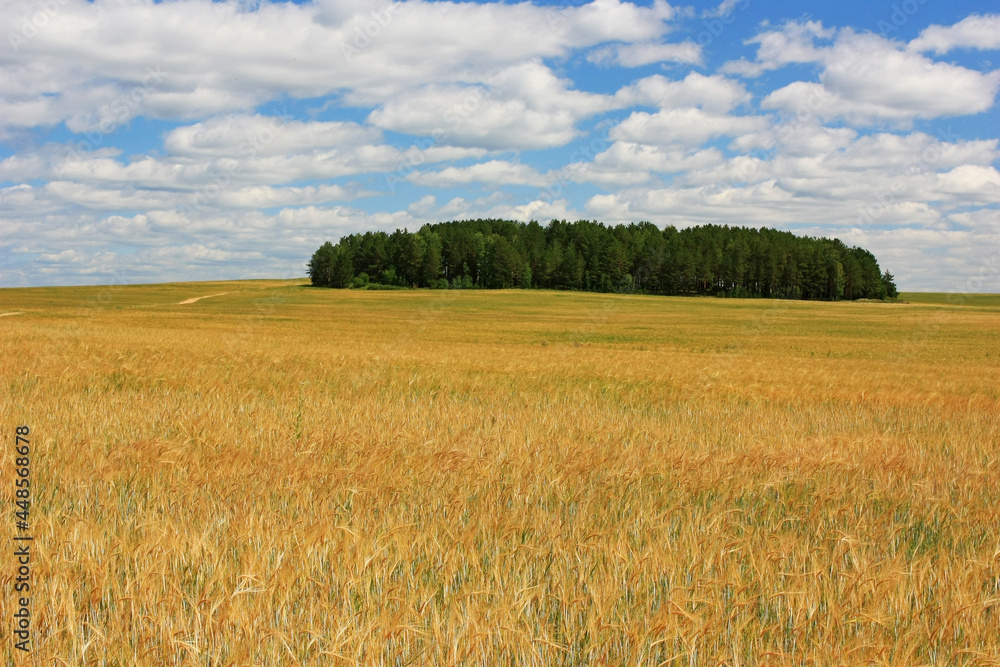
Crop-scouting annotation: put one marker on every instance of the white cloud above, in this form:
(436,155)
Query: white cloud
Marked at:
(646,53)
(765,203)
(973,183)
(866,79)
(498,172)
(726,7)
(797,139)
(922,259)
(525,106)
(91,71)
(543,210)
(794,43)
(972,32)
(625,163)
(422,207)
(688,127)
(866,72)
(912,153)
(259,135)
(877,181)
(57,194)
(984,219)
(225,162)
(713,93)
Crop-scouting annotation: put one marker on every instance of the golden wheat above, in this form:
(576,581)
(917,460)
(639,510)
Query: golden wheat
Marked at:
(285,476)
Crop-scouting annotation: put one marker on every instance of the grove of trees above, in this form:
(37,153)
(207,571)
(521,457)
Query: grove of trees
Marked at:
(587,255)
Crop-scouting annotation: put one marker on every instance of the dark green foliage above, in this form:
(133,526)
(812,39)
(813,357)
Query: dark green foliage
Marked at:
(587,255)
(889,283)
(331,266)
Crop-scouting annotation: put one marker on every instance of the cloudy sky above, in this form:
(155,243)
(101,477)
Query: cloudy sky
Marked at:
(192,140)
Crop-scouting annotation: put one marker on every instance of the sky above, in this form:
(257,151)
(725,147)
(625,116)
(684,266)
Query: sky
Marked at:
(193,140)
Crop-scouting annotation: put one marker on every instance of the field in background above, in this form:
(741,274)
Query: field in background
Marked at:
(281,475)
(944,299)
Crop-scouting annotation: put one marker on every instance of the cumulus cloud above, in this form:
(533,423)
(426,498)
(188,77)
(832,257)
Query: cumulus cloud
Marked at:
(797,139)
(964,260)
(972,182)
(260,135)
(712,93)
(850,182)
(624,164)
(871,78)
(233,158)
(879,181)
(795,42)
(865,78)
(498,172)
(209,58)
(972,32)
(686,126)
(526,106)
(646,53)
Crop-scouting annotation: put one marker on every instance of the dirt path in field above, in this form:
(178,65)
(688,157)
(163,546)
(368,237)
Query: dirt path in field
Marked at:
(199,298)
(16,312)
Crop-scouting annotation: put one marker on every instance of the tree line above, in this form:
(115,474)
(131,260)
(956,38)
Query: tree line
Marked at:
(586,255)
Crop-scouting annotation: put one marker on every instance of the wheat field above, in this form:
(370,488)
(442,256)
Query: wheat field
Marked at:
(282,475)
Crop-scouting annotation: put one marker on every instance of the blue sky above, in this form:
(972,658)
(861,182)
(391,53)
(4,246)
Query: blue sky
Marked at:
(191,140)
